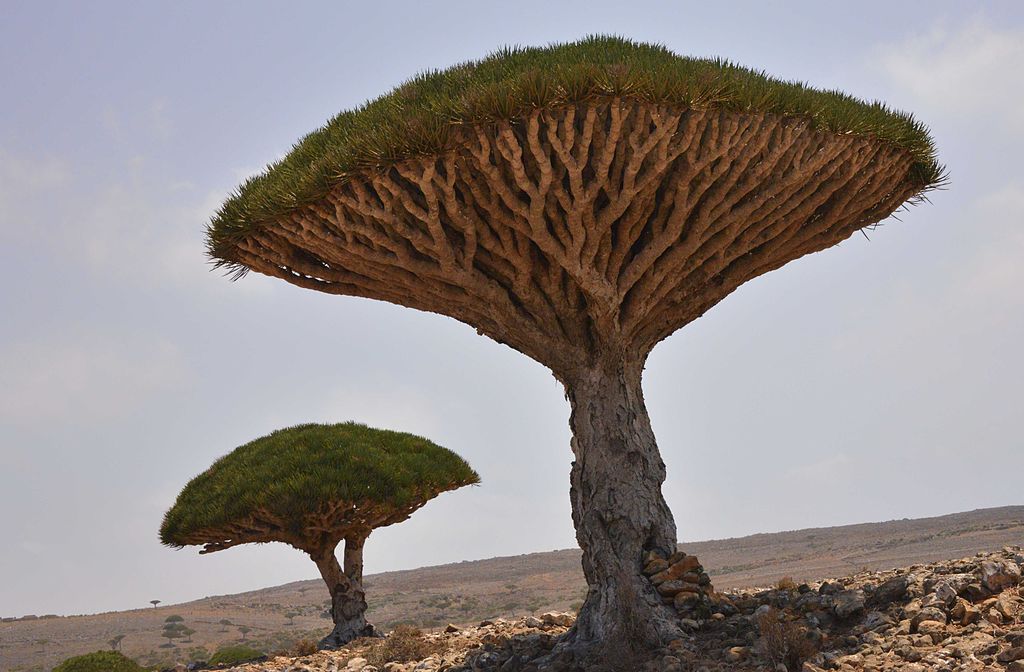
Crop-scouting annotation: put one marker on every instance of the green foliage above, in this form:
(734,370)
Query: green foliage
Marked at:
(100,661)
(419,117)
(234,655)
(294,472)
(174,618)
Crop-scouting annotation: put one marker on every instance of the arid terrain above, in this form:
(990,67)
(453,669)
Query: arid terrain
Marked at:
(468,592)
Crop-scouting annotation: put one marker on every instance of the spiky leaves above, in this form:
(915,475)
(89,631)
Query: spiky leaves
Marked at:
(424,116)
(311,486)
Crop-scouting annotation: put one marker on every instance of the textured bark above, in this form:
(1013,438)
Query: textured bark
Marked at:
(553,232)
(348,599)
(619,513)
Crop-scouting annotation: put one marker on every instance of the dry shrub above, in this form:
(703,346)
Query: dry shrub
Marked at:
(405,644)
(784,642)
(304,647)
(786,583)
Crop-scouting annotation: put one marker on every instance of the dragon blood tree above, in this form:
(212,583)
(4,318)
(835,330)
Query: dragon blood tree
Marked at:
(580,203)
(311,487)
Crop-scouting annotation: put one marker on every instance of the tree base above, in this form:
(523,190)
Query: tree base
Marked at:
(346,632)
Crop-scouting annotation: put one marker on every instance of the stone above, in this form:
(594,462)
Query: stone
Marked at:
(964,613)
(533,622)
(736,654)
(945,593)
(676,570)
(1015,666)
(878,620)
(655,566)
(847,603)
(889,591)
(1010,655)
(685,600)
(934,629)
(998,576)
(670,588)
(558,618)
(356,664)
(452,628)
(927,614)
(1008,606)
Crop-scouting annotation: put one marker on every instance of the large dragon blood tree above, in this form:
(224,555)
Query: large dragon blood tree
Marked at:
(580,203)
(312,487)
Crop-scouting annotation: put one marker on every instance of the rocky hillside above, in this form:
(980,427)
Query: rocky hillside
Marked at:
(962,615)
(513,587)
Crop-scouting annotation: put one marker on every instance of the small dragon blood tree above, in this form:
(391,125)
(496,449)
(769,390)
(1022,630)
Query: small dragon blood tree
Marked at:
(580,203)
(311,487)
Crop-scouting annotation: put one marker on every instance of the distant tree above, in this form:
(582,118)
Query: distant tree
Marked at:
(224,623)
(115,643)
(311,487)
(174,618)
(173,631)
(187,633)
(154,603)
(291,617)
(245,630)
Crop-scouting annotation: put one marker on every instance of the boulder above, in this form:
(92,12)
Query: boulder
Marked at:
(998,576)
(847,603)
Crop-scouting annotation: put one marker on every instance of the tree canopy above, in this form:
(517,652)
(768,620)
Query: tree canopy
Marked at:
(100,661)
(421,116)
(330,477)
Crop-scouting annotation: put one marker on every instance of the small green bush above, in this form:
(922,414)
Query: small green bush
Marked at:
(233,655)
(101,661)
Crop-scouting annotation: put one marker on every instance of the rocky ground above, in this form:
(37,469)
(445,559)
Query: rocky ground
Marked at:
(962,615)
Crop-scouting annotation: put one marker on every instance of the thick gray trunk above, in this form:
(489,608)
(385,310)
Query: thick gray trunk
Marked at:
(348,599)
(620,514)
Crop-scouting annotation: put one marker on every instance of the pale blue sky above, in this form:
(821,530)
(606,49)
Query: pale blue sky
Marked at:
(881,379)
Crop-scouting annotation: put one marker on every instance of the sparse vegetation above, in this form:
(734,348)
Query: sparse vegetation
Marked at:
(783,642)
(786,583)
(234,655)
(304,647)
(100,661)
(404,644)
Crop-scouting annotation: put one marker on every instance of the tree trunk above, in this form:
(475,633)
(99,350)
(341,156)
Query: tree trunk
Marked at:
(348,599)
(619,514)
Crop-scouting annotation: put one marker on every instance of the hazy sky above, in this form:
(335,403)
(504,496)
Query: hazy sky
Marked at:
(880,379)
